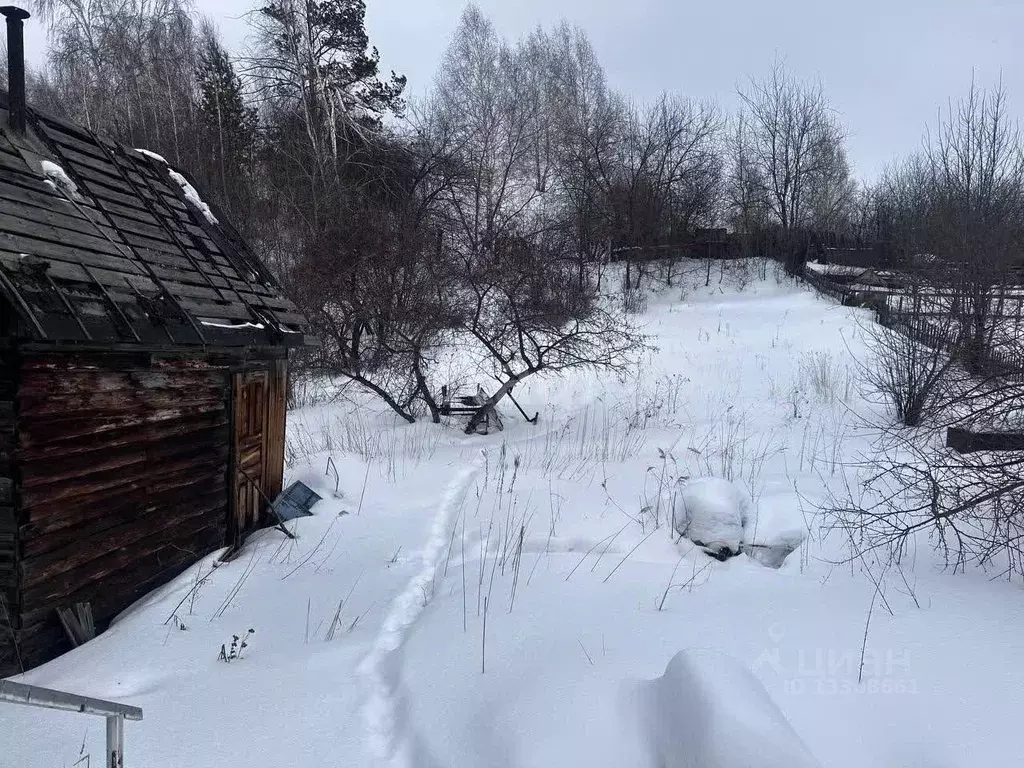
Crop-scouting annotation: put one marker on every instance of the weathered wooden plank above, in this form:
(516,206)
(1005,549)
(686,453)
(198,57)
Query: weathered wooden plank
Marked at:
(8,519)
(275,303)
(47,570)
(42,383)
(34,409)
(292,319)
(88,158)
(125,584)
(102,571)
(81,280)
(83,361)
(59,128)
(136,211)
(61,251)
(99,236)
(199,432)
(103,193)
(136,466)
(73,140)
(970,441)
(66,270)
(215,264)
(85,238)
(44,528)
(13,164)
(33,435)
(91,166)
(34,192)
(84,467)
(181,475)
(125,587)
(148,229)
(217,310)
(97,174)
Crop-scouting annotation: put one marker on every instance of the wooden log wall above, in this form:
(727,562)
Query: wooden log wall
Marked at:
(123,469)
(9,656)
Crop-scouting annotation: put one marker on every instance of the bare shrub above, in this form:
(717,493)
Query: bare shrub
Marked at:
(968,507)
(913,378)
(634,301)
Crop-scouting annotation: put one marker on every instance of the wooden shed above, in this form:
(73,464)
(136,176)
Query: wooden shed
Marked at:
(143,371)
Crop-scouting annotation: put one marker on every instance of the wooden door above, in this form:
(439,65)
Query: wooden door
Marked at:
(249,391)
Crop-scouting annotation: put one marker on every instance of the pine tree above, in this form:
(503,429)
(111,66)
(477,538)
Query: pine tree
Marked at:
(324,43)
(229,123)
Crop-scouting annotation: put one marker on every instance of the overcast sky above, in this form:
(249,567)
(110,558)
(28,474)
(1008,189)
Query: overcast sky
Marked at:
(888,66)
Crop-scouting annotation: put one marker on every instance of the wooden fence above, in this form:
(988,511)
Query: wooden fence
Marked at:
(1006,361)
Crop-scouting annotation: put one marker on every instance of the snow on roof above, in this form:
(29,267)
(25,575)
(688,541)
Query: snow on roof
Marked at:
(233,326)
(153,155)
(192,196)
(59,179)
(834,269)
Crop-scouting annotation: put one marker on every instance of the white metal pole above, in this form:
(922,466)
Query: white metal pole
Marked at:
(115,741)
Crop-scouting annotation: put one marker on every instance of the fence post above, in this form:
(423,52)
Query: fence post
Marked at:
(115,741)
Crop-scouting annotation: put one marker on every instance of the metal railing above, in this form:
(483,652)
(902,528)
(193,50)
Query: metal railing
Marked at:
(116,714)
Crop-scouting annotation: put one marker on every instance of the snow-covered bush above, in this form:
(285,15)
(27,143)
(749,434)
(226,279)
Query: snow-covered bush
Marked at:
(711,512)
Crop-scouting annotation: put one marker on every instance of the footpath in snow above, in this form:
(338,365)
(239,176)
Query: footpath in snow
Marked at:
(522,599)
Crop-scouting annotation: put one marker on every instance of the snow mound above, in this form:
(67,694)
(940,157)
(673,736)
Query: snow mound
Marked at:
(711,512)
(710,711)
(193,197)
(773,530)
(774,554)
(58,177)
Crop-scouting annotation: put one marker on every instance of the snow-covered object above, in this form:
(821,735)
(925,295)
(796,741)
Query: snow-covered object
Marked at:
(153,155)
(770,533)
(193,197)
(710,711)
(59,178)
(834,269)
(711,512)
(773,555)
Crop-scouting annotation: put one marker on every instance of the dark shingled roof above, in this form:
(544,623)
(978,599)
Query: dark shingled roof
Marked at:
(123,256)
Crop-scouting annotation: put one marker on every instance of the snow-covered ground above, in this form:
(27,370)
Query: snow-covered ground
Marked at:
(521,599)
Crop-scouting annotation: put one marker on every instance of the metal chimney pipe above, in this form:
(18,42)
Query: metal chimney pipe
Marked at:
(16,106)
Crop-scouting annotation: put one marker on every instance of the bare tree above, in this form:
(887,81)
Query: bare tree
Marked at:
(126,68)
(529,306)
(792,150)
(378,294)
(745,203)
(955,212)
(486,102)
(976,220)
(664,178)
(531,317)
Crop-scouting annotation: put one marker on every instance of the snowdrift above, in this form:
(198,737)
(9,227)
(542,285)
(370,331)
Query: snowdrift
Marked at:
(709,711)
